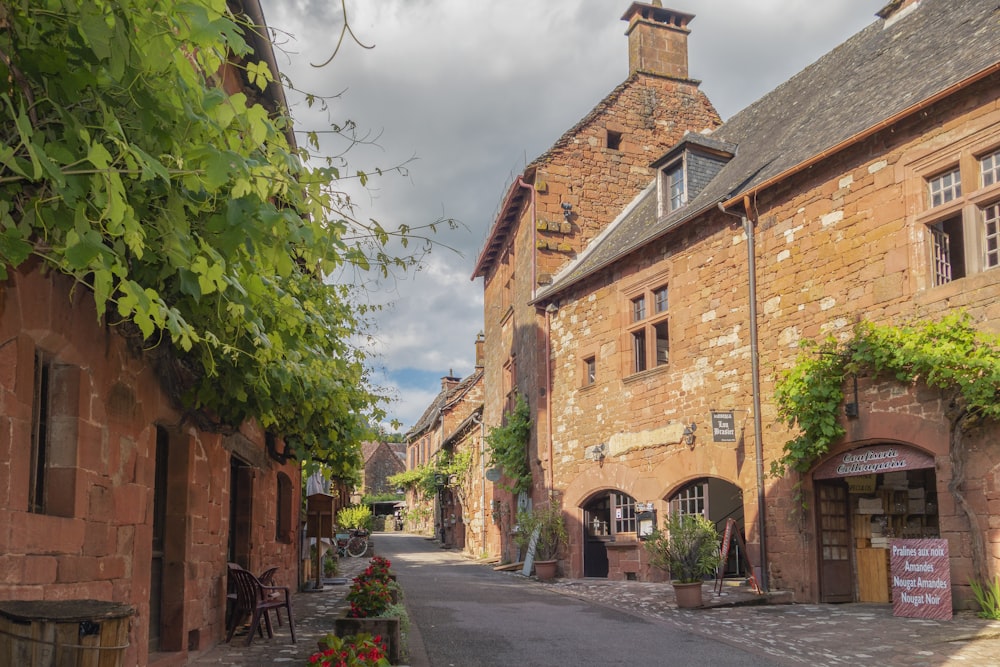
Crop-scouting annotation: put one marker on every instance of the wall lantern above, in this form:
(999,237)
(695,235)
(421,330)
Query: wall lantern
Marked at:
(645,524)
(689,434)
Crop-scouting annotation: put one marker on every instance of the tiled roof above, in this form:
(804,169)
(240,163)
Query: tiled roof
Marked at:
(888,69)
(442,401)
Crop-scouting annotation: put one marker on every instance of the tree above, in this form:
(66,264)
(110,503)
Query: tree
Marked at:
(201,229)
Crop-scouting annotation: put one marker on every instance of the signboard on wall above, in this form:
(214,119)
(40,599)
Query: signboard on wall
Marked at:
(723,426)
(873,460)
(921,579)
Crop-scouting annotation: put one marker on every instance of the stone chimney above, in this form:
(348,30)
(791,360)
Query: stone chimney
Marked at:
(657,40)
(480,357)
(449,381)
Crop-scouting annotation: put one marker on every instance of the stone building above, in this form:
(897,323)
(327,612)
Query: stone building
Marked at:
(450,429)
(107,492)
(381,461)
(866,187)
(561,203)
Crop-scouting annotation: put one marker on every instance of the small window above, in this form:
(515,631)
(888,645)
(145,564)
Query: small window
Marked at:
(660,299)
(990,168)
(991,232)
(948,262)
(614,140)
(662,343)
(639,309)
(945,188)
(639,349)
(589,371)
(40,415)
(283,520)
(674,186)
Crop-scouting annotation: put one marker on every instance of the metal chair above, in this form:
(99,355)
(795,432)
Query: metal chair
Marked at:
(257,600)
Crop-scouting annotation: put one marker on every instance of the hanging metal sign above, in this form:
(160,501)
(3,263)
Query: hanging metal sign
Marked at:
(723,426)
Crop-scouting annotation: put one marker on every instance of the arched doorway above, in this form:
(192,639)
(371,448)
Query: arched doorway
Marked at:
(717,500)
(866,497)
(606,516)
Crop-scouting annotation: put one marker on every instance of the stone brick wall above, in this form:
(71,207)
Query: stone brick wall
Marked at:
(840,242)
(99,545)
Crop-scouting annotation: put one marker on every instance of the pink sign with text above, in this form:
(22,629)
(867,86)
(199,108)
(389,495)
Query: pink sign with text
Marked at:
(921,578)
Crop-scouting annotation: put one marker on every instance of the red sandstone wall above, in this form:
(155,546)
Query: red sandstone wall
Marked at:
(841,242)
(100,547)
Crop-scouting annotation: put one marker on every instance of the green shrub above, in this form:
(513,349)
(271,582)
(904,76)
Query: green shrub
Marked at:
(988,598)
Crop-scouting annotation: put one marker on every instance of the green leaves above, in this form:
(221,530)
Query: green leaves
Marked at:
(186,211)
(949,354)
(508,445)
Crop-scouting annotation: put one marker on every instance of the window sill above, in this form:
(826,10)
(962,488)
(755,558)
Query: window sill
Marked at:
(642,375)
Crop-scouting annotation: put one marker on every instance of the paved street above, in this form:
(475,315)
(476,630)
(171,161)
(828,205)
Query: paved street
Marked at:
(466,615)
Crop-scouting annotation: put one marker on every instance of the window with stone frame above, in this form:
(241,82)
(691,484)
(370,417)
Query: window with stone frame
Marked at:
(54,433)
(672,187)
(961,212)
(589,370)
(649,330)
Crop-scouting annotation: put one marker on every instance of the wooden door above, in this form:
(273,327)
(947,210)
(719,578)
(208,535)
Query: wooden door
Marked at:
(835,572)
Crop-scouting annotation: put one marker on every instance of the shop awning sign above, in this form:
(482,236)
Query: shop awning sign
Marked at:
(873,461)
(723,426)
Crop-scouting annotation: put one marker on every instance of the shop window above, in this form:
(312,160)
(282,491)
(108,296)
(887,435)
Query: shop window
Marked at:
(623,507)
(692,499)
(610,516)
(650,332)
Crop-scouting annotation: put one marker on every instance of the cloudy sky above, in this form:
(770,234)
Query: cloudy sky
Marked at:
(465,93)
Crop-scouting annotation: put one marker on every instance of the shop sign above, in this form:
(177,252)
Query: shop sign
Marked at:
(921,579)
(723,426)
(873,460)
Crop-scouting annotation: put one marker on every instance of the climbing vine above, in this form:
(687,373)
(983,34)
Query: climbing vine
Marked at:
(447,470)
(949,354)
(201,231)
(508,446)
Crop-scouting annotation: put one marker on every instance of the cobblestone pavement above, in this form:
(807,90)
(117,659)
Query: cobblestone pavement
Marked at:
(314,614)
(809,634)
(812,634)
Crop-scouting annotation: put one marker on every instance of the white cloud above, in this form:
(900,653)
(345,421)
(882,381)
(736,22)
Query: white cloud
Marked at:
(475,91)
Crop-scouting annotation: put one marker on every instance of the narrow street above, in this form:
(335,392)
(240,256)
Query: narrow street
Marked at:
(467,615)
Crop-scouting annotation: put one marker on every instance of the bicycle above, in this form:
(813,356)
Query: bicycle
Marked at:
(353,543)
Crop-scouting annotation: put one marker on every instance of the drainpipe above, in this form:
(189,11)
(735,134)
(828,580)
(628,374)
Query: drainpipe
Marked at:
(748,229)
(550,310)
(478,419)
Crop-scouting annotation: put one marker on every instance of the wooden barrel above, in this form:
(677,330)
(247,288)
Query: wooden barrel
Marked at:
(64,633)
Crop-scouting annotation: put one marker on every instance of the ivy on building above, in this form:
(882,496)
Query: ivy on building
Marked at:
(448,469)
(508,447)
(949,354)
(201,231)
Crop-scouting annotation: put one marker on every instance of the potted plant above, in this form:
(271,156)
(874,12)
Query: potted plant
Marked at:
(687,548)
(546,526)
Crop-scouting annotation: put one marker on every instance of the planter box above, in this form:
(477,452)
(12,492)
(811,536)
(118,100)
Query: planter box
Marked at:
(387,627)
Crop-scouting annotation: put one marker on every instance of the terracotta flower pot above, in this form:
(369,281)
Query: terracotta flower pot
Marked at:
(688,596)
(545,570)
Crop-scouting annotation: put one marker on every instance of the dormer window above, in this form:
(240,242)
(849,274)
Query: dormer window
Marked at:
(675,194)
(687,168)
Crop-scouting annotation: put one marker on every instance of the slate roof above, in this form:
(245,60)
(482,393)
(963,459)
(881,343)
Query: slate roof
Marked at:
(884,72)
(442,401)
